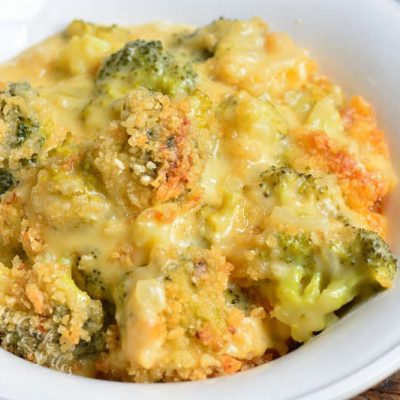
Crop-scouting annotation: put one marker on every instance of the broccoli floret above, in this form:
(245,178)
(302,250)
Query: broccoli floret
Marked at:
(17,124)
(36,338)
(234,52)
(144,63)
(203,43)
(21,122)
(302,199)
(33,338)
(7,180)
(313,257)
(93,283)
(284,182)
(296,249)
(54,331)
(23,89)
(359,248)
(376,255)
(307,278)
(67,198)
(89,278)
(139,64)
(24,127)
(158,157)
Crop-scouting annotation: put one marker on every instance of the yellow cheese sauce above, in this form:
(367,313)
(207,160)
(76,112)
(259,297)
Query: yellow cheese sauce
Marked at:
(180,203)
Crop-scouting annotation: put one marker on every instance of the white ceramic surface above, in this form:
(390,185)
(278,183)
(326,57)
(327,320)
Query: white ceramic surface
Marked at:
(357,43)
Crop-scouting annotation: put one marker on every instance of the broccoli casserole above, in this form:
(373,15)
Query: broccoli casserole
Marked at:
(181,203)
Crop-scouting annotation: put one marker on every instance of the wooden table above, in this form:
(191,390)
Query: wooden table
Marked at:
(387,390)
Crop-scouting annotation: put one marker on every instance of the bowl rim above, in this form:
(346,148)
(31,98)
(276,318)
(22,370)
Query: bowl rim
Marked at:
(342,387)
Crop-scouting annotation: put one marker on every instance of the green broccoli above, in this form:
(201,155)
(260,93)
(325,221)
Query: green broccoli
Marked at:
(93,283)
(37,339)
(284,182)
(144,63)
(357,249)
(220,37)
(7,180)
(138,64)
(376,255)
(308,273)
(23,89)
(161,151)
(89,278)
(33,338)
(67,198)
(21,122)
(24,126)
(58,332)
(203,43)
(304,200)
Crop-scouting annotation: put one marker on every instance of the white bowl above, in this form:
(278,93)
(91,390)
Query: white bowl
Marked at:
(357,44)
